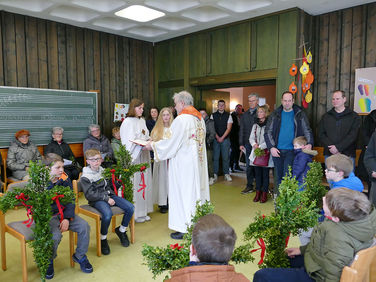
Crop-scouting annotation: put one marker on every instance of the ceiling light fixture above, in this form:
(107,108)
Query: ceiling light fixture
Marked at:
(139,13)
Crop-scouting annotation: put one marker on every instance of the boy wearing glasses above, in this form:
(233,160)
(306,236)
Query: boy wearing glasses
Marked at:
(100,194)
(339,173)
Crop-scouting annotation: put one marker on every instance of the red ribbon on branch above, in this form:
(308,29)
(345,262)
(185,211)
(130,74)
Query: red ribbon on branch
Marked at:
(261,243)
(176,246)
(287,240)
(113,178)
(29,211)
(60,208)
(142,184)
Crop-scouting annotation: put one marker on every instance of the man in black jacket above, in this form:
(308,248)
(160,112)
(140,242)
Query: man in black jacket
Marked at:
(294,122)
(338,130)
(234,138)
(246,123)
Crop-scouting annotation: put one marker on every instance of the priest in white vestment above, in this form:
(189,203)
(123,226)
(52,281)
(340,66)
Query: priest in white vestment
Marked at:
(187,171)
(133,128)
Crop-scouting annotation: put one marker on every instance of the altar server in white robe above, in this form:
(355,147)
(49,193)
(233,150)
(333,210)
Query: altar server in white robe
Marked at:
(187,170)
(132,128)
(161,131)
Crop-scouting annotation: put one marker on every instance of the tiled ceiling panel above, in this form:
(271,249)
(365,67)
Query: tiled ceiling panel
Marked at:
(181,16)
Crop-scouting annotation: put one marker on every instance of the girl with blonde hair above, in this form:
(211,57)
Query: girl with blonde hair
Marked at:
(161,131)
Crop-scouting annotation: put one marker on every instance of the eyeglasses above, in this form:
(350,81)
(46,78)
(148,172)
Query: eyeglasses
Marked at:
(95,160)
(330,170)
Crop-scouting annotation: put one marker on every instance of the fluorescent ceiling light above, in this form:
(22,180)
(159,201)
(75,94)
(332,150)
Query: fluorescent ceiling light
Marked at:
(139,13)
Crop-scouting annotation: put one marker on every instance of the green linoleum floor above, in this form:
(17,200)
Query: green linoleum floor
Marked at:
(126,264)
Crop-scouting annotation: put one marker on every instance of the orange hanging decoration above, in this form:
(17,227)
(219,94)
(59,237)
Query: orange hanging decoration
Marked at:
(293,70)
(309,77)
(293,88)
(305,86)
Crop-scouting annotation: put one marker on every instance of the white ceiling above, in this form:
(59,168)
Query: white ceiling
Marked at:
(182,16)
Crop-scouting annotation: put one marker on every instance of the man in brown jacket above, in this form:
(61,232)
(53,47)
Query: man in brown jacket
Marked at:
(213,242)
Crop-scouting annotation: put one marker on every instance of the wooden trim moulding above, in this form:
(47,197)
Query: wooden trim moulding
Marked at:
(235,77)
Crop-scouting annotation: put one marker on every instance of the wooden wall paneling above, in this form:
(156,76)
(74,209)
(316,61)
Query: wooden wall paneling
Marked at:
(145,76)
(89,59)
(346,34)
(105,90)
(370,52)
(126,67)
(239,52)
(80,59)
(219,52)
(52,51)
(31,32)
(42,53)
(322,71)
(112,76)
(150,61)
(357,50)
(120,70)
(97,60)
(197,54)
(62,55)
(267,42)
(71,57)
(1,52)
(333,55)
(175,59)
(20,50)
(287,51)
(162,60)
(135,61)
(9,41)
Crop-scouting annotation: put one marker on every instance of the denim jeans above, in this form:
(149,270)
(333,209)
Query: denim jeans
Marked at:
(296,273)
(250,169)
(221,149)
(262,178)
(281,164)
(105,209)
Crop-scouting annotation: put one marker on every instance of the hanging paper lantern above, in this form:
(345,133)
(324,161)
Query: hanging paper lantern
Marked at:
(305,86)
(304,69)
(309,57)
(293,70)
(309,77)
(293,88)
(308,97)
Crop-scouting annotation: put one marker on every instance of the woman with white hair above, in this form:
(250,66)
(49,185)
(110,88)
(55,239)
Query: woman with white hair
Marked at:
(95,140)
(59,147)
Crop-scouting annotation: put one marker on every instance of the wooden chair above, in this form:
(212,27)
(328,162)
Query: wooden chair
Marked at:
(359,271)
(96,215)
(24,234)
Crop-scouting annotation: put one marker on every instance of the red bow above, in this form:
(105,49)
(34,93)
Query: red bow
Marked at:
(261,243)
(142,184)
(176,246)
(60,208)
(287,240)
(29,211)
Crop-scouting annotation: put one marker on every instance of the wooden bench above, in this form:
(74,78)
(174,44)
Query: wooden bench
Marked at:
(77,149)
(321,158)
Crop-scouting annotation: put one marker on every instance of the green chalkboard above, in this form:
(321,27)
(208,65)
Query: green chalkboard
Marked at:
(38,110)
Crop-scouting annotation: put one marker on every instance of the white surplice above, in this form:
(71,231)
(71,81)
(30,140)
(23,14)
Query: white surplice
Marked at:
(187,168)
(160,176)
(135,128)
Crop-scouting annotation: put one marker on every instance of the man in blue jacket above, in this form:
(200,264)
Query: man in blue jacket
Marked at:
(294,123)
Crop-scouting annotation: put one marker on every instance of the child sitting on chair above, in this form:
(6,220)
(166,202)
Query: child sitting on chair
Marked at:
(70,221)
(213,242)
(349,227)
(100,194)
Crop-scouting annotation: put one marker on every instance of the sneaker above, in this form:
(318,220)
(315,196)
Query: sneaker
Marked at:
(147,218)
(215,178)
(247,190)
(50,270)
(228,177)
(140,219)
(122,236)
(105,247)
(177,235)
(85,265)
(211,181)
